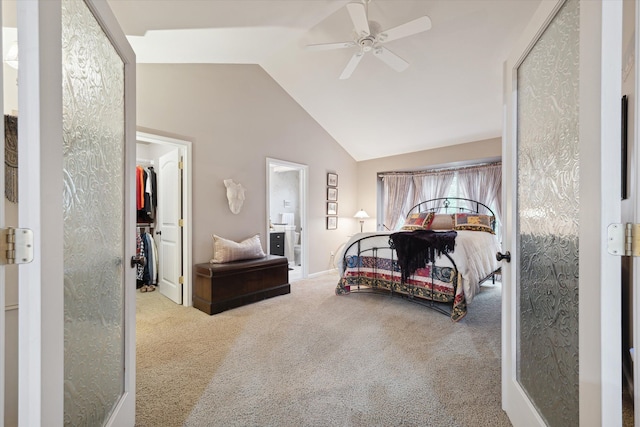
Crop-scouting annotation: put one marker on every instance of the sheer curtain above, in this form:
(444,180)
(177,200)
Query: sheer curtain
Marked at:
(484,184)
(431,186)
(401,191)
(396,191)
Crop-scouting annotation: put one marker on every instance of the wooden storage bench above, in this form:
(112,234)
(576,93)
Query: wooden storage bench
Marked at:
(219,287)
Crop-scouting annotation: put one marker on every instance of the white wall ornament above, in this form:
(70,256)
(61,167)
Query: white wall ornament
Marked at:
(235,195)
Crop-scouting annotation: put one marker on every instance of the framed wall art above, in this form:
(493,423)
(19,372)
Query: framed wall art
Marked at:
(332,179)
(332,222)
(332,208)
(332,194)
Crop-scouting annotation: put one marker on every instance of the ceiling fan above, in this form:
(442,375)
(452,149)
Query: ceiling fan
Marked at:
(368,37)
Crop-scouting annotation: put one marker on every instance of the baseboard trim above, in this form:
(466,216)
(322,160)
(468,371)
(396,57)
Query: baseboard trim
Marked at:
(323,273)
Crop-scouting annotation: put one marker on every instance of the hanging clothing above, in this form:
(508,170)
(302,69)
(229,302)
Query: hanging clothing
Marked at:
(154,189)
(152,260)
(139,187)
(146,203)
(146,194)
(150,201)
(140,253)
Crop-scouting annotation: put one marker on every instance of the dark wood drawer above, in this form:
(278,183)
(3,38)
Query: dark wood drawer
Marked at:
(276,243)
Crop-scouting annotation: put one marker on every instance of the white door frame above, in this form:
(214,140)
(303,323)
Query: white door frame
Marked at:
(41,300)
(600,386)
(186,148)
(304,235)
(600,334)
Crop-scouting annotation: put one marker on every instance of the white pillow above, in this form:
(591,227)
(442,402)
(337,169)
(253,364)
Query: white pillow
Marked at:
(225,250)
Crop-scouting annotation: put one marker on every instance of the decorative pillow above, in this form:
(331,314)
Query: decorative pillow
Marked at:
(418,221)
(442,222)
(227,250)
(475,222)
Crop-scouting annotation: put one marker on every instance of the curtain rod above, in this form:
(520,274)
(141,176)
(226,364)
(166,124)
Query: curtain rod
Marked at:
(440,170)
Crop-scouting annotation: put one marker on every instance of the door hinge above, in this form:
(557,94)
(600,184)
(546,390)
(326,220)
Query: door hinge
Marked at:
(181,280)
(16,246)
(623,239)
(181,165)
(181,222)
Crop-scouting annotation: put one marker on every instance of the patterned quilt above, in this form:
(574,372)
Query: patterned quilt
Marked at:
(384,273)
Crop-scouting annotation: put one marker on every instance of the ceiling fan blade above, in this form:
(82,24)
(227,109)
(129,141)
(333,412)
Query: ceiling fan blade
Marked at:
(407,29)
(358,14)
(351,66)
(330,46)
(391,59)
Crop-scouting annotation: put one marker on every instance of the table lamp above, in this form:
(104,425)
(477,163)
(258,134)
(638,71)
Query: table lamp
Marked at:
(361,215)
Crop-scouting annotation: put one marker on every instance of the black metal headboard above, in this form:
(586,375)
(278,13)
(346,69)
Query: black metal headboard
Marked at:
(452,205)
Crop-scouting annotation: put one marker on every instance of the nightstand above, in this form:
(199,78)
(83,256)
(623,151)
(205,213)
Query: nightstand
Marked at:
(276,243)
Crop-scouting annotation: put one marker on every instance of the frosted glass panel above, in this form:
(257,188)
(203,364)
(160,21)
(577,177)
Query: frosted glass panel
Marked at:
(93,131)
(548,184)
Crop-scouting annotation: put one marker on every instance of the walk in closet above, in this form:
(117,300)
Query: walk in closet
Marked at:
(161,217)
(146,209)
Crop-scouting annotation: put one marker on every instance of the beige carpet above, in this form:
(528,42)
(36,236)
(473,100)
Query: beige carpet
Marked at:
(312,358)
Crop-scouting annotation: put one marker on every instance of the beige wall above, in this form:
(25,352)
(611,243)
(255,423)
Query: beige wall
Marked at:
(236,116)
(488,149)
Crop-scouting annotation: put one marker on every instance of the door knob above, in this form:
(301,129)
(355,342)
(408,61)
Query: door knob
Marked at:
(504,256)
(138,260)
(158,232)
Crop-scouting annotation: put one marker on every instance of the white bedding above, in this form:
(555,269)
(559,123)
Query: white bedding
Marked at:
(474,255)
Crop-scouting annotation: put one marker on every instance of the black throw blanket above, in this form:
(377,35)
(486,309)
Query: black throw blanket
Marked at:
(418,248)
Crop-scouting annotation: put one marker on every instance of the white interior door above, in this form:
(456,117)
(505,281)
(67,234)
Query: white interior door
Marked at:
(76,96)
(561,295)
(169,235)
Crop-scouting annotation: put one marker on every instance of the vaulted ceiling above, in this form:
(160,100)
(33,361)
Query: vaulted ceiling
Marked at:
(451,92)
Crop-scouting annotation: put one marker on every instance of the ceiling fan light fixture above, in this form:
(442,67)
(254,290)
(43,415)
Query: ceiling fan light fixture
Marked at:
(368,37)
(366,44)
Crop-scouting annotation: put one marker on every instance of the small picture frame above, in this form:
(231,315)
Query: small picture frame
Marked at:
(332,222)
(332,179)
(332,208)
(332,194)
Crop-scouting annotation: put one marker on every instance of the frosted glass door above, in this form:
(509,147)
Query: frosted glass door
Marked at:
(561,359)
(94,138)
(547,223)
(76,150)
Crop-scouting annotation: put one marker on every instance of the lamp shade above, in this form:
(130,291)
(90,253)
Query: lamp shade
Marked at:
(361,214)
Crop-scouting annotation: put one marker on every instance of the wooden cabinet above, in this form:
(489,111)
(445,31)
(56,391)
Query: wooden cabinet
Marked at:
(276,243)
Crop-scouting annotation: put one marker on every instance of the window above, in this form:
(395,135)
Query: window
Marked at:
(483,182)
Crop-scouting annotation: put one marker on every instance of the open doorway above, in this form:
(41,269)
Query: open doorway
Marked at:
(287,214)
(169,225)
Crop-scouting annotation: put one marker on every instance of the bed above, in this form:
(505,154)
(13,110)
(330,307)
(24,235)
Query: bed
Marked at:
(447,278)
